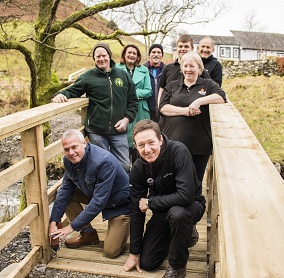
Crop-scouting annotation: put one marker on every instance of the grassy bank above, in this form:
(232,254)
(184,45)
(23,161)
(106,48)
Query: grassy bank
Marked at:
(260,100)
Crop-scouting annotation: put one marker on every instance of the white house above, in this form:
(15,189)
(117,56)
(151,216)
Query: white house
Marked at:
(246,45)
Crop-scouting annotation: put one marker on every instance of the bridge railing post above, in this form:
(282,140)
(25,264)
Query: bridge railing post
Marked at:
(36,188)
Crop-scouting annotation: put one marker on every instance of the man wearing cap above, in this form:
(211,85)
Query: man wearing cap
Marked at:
(155,67)
(113,103)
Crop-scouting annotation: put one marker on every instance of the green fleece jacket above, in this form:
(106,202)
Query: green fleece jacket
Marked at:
(112,97)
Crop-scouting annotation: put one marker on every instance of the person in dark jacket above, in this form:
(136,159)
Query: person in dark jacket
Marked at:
(211,64)
(93,176)
(113,103)
(155,67)
(163,180)
(173,71)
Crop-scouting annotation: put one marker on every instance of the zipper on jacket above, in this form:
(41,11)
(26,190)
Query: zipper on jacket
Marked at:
(111,104)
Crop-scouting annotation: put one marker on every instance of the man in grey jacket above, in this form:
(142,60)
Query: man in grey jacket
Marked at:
(93,176)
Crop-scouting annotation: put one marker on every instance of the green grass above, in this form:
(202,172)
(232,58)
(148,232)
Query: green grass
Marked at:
(260,100)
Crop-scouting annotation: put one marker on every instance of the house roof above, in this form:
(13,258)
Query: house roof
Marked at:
(249,40)
(259,40)
(218,40)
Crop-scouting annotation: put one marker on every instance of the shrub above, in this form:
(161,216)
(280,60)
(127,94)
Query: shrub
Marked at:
(280,64)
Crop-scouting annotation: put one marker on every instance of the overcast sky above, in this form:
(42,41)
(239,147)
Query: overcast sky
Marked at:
(269,14)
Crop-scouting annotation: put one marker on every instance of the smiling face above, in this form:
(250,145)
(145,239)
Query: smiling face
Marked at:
(130,56)
(155,56)
(183,48)
(148,144)
(205,48)
(73,148)
(191,66)
(102,59)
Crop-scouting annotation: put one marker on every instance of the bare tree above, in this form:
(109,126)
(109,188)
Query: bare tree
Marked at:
(40,46)
(165,16)
(251,22)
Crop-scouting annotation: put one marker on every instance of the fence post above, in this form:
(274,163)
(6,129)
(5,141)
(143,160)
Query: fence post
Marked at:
(36,189)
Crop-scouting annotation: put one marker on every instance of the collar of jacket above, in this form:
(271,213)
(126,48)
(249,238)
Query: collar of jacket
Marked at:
(207,60)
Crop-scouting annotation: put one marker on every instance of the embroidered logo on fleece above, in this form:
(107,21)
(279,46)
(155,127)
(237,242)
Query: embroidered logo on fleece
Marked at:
(202,92)
(118,82)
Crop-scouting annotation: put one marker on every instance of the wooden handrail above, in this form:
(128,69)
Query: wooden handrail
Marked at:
(32,168)
(20,121)
(247,202)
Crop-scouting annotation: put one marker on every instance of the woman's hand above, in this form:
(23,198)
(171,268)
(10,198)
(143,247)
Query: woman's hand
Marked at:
(194,108)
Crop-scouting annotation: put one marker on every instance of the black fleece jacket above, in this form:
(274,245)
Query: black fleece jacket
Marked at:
(170,181)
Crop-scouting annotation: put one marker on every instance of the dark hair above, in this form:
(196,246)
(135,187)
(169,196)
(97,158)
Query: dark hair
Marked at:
(144,125)
(139,56)
(185,38)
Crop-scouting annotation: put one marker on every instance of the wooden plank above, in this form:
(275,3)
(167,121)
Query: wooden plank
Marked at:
(36,189)
(251,199)
(94,262)
(52,150)
(17,224)
(26,265)
(20,121)
(16,172)
(52,191)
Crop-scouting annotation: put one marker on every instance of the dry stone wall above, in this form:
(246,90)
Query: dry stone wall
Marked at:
(240,68)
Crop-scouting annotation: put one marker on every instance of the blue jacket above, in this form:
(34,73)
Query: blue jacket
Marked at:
(100,177)
(155,83)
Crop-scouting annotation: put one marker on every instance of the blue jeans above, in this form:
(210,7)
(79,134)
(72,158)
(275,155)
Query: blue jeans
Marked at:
(116,144)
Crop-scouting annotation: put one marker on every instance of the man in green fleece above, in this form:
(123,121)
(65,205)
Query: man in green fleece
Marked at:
(113,103)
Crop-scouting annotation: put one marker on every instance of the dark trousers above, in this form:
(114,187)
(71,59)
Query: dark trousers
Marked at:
(169,234)
(200,163)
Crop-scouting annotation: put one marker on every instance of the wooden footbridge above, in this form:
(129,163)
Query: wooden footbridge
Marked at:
(240,235)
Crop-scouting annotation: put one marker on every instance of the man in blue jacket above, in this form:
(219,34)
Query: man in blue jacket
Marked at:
(93,176)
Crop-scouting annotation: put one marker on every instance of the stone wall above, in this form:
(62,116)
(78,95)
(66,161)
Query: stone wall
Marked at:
(240,68)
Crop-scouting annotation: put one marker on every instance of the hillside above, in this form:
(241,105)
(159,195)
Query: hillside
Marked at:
(77,46)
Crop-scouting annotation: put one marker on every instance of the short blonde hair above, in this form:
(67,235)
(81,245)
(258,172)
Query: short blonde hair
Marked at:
(192,56)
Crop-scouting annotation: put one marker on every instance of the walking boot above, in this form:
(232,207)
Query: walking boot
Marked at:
(175,273)
(85,238)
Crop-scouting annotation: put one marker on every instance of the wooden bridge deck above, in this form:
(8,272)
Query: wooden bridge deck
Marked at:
(90,259)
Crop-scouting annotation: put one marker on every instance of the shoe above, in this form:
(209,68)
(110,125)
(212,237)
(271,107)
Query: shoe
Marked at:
(194,237)
(85,238)
(175,273)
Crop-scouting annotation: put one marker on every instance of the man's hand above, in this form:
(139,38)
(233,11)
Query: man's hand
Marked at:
(60,98)
(121,125)
(131,262)
(64,232)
